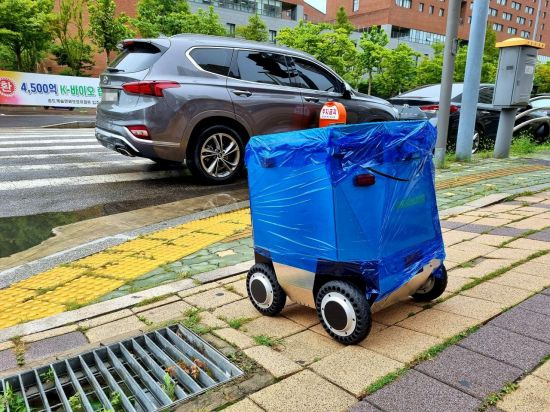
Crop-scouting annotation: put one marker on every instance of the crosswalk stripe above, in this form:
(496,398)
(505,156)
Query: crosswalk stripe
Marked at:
(87,180)
(38,148)
(101,151)
(84,165)
(18,142)
(38,136)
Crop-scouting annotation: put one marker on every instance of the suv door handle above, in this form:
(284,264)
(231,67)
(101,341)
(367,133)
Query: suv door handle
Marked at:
(311,99)
(242,93)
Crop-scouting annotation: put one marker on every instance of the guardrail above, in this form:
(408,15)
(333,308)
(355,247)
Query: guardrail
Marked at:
(543,119)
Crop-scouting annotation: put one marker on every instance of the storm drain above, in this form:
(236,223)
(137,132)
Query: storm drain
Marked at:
(146,373)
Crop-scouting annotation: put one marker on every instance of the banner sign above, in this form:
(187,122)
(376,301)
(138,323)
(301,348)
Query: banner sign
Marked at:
(34,89)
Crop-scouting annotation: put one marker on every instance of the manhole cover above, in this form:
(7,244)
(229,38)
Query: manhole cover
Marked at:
(146,373)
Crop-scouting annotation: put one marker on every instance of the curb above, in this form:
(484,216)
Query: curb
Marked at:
(71,125)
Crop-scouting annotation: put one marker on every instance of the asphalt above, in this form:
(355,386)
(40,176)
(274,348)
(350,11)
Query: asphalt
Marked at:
(39,117)
(60,170)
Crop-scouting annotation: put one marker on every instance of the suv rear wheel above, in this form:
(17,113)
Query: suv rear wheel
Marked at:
(217,155)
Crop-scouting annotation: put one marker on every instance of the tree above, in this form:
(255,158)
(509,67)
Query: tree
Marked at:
(398,71)
(372,43)
(72,50)
(429,70)
(342,21)
(170,17)
(542,78)
(256,29)
(489,63)
(106,29)
(24,33)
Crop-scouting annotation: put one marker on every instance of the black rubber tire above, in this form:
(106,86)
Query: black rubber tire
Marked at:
(194,162)
(360,305)
(279,295)
(440,283)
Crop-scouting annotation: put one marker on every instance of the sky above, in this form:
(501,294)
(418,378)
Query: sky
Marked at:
(320,5)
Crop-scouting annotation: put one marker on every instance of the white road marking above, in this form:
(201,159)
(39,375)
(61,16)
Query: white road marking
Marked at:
(104,152)
(38,148)
(19,142)
(37,136)
(88,180)
(84,165)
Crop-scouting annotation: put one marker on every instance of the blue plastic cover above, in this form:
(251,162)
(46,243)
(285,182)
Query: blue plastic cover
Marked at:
(308,212)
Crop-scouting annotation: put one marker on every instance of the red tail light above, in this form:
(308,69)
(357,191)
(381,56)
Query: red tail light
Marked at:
(364,180)
(141,132)
(433,108)
(153,88)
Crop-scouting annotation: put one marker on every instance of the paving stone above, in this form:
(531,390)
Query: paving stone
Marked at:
(303,391)
(399,343)
(521,281)
(239,287)
(239,309)
(113,329)
(543,371)
(494,292)
(456,236)
(143,308)
(395,313)
(101,320)
(506,346)
(232,279)
(470,307)
(307,347)
(212,298)
(7,360)
(246,405)
(448,224)
(492,221)
(507,231)
(509,253)
(477,228)
(546,292)
(463,219)
(235,337)
(525,322)
(198,289)
(534,268)
(49,333)
(529,244)
(211,321)
(455,283)
(470,372)
(275,363)
(375,328)
(537,303)
(277,326)
(481,268)
(50,346)
(438,323)
(6,345)
(533,395)
(459,255)
(301,314)
(417,392)
(354,368)
(492,240)
(166,313)
(531,223)
(543,235)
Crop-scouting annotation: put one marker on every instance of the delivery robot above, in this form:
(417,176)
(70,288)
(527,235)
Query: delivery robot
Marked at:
(345,221)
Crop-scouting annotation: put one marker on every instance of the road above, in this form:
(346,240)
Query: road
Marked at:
(31,118)
(55,170)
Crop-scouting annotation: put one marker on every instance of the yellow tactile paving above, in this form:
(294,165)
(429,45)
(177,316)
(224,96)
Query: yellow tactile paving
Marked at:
(51,278)
(87,279)
(82,290)
(478,177)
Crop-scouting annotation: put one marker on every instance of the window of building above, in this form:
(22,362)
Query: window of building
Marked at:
(529,10)
(512,30)
(469,19)
(520,20)
(261,67)
(540,37)
(272,36)
(493,12)
(525,34)
(311,76)
(214,60)
(441,12)
(530,23)
(543,14)
(502,2)
(516,5)
(542,26)
(305,17)
(546,3)
(471,5)
(506,16)
(420,7)
(231,29)
(406,4)
(416,36)
(431,10)
(497,27)
(355,5)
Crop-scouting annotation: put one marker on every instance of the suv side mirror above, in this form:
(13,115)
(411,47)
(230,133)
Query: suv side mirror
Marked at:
(346,94)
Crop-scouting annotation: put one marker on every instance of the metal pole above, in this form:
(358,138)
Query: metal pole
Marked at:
(505,132)
(449,54)
(537,21)
(472,77)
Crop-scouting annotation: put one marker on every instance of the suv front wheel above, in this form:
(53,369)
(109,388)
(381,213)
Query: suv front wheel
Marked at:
(217,155)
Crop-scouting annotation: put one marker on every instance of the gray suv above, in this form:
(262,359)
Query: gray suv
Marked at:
(197,100)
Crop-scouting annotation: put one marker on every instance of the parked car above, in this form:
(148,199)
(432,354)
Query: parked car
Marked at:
(427,99)
(198,99)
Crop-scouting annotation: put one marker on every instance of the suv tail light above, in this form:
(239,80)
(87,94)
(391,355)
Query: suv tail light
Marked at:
(151,88)
(433,108)
(141,132)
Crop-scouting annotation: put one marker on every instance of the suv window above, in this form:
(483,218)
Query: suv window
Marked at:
(310,76)
(214,60)
(485,95)
(261,67)
(136,57)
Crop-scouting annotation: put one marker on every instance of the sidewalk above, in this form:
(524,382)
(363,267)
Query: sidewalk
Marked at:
(497,257)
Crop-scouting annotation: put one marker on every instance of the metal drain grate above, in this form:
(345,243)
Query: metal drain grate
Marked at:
(146,373)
